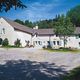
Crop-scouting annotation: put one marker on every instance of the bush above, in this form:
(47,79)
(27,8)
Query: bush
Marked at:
(49,46)
(17,43)
(44,47)
(73,75)
(1,41)
(67,49)
(5,42)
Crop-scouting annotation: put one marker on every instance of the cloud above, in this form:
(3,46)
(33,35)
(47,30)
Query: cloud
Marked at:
(41,9)
(38,11)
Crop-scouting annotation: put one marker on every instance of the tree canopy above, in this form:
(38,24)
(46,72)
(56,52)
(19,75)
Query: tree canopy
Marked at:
(42,24)
(74,15)
(26,23)
(19,21)
(6,5)
(64,27)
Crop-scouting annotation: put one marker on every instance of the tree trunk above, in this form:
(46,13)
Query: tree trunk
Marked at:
(64,41)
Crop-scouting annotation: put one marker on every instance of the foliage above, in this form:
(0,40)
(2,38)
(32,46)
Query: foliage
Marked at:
(62,50)
(64,27)
(6,5)
(5,42)
(49,45)
(26,23)
(42,24)
(74,15)
(19,21)
(1,41)
(17,43)
(73,75)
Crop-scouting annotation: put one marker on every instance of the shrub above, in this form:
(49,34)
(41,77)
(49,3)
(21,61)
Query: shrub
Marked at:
(17,43)
(44,47)
(1,41)
(5,42)
(49,46)
(73,75)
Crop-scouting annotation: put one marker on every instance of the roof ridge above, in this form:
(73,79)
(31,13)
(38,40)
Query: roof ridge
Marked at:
(7,19)
(18,26)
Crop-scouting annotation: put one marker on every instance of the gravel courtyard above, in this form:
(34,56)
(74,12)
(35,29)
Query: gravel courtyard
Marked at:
(35,64)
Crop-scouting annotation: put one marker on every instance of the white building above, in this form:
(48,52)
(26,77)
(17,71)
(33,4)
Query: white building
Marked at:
(36,37)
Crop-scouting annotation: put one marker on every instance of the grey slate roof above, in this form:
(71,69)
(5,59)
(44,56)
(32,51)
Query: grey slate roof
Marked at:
(40,32)
(44,32)
(19,27)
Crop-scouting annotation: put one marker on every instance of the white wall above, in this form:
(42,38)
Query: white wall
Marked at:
(9,31)
(71,41)
(23,37)
(12,34)
(45,39)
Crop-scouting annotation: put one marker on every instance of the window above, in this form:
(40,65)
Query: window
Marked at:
(4,30)
(36,42)
(54,42)
(57,42)
(56,35)
(39,42)
(77,36)
(48,42)
(79,44)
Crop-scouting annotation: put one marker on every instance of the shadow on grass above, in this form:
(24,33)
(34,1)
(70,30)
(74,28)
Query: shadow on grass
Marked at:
(30,70)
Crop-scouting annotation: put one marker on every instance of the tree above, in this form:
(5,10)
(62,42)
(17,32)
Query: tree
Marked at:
(64,28)
(74,15)
(28,23)
(19,21)
(6,5)
(45,24)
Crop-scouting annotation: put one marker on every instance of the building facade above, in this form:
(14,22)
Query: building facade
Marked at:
(36,37)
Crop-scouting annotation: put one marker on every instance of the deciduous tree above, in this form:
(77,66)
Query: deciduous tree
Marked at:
(74,15)
(6,5)
(64,28)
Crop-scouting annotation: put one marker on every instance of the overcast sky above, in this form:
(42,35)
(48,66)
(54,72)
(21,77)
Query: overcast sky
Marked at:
(41,9)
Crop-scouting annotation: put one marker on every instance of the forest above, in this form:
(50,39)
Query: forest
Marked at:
(73,14)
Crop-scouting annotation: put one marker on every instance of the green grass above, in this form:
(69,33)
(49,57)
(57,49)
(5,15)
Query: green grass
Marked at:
(63,50)
(10,46)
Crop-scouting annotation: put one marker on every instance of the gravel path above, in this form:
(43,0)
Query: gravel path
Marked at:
(69,60)
(43,59)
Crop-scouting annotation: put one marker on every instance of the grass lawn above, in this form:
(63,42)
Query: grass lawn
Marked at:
(63,50)
(10,46)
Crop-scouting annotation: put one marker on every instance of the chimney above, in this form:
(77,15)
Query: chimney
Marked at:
(36,27)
